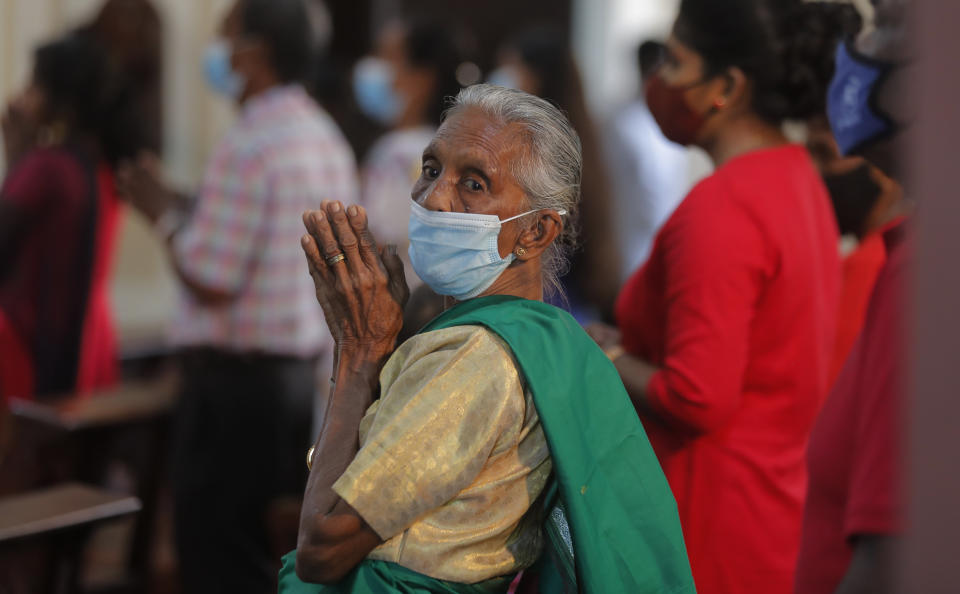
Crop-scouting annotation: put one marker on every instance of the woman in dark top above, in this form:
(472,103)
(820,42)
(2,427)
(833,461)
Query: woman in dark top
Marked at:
(725,336)
(58,219)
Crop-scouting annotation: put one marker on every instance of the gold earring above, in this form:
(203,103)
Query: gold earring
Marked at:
(520,251)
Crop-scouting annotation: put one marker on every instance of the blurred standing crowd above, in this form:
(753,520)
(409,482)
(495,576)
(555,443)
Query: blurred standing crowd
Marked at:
(731,309)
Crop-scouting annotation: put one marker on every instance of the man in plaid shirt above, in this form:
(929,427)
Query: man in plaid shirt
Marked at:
(249,326)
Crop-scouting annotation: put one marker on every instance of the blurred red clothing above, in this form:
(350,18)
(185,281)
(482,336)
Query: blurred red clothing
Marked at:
(57,335)
(853,453)
(860,270)
(98,352)
(737,306)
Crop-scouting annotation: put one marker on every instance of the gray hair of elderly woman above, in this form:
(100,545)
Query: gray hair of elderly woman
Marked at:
(550,170)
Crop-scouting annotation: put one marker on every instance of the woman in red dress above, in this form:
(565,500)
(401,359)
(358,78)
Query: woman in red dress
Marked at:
(725,336)
(58,219)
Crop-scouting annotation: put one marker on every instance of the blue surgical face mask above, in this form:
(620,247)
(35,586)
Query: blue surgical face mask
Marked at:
(456,253)
(504,77)
(373,89)
(220,74)
(855,117)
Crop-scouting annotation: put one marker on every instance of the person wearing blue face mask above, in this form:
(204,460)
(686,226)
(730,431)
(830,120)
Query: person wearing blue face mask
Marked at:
(402,86)
(499,439)
(248,326)
(854,514)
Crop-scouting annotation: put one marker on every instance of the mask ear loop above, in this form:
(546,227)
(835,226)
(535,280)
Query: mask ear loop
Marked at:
(521,251)
(562,212)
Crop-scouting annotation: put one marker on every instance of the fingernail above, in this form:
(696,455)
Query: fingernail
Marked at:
(305,241)
(352,211)
(335,207)
(318,216)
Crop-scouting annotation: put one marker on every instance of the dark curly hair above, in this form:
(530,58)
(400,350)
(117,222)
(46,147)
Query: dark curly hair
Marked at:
(784,47)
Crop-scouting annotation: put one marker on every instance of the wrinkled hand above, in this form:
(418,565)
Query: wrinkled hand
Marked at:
(363,295)
(604,335)
(19,134)
(141,182)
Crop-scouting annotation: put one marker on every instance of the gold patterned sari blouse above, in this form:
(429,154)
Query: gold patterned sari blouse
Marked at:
(451,459)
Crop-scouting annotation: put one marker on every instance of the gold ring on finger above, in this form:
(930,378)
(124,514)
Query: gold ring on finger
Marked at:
(336,258)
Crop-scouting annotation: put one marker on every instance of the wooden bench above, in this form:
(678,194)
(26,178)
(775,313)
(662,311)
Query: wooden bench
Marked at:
(42,534)
(124,405)
(80,438)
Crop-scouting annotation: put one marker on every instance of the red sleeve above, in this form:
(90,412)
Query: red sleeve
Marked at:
(873,502)
(36,180)
(716,260)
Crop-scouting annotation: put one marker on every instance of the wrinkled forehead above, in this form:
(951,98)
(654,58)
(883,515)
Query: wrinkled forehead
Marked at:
(471,133)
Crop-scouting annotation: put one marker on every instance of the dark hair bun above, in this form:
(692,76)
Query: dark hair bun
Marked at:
(785,48)
(812,33)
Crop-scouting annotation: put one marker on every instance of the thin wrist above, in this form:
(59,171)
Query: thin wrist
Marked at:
(351,353)
(364,360)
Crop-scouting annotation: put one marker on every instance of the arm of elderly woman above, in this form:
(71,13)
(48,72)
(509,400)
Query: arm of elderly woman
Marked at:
(362,297)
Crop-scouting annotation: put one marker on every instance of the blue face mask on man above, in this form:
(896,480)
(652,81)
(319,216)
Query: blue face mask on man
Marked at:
(373,89)
(219,72)
(855,117)
(456,253)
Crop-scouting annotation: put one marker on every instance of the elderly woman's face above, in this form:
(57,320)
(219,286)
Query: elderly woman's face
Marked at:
(467,168)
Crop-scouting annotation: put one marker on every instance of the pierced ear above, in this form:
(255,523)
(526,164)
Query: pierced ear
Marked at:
(532,242)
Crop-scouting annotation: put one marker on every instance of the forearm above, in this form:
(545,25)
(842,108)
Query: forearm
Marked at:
(356,376)
(636,375)
(206,295)
(333,538)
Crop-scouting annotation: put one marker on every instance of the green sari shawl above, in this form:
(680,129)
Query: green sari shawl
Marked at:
(622,517)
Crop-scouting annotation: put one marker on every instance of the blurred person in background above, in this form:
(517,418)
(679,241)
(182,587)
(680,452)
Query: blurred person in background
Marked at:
(865,200)
(725,336)
(649,174)
(132,34)
(58,218)
(248,324)
(854,510)
(539,61)
(330,84)
(404,86)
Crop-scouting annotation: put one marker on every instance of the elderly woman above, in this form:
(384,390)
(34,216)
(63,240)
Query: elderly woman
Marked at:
(441,459)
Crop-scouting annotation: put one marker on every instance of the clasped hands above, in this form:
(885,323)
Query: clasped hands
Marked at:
(361,287)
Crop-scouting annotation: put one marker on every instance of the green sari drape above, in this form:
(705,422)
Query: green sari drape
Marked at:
(622,516)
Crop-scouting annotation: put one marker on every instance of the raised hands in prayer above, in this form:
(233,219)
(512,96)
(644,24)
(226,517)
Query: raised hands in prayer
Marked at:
(361,288)
(141,181)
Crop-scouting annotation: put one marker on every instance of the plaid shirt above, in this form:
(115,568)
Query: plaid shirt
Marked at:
(283,156)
